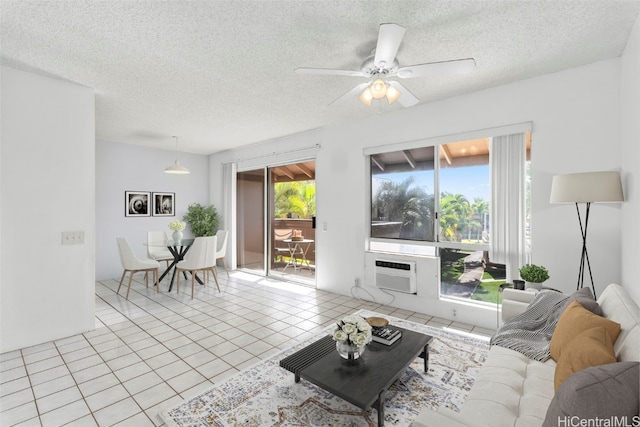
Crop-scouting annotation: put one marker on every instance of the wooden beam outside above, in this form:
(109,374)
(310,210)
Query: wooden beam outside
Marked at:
(409,158)
(379,164)
(305,170)
(446,153)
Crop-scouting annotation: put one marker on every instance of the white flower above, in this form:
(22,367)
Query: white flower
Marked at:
(354,330)
(349,328)
(176,225)
(340,335)
(359,338)
(363,325)
(351,319)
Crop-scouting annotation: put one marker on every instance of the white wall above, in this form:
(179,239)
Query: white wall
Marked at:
(124,167)
(47,185)
(630,137)
(575,115)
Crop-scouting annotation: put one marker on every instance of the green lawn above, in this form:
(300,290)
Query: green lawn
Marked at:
(488,291)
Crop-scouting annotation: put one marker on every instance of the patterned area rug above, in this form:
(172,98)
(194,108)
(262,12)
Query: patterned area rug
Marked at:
(266,394)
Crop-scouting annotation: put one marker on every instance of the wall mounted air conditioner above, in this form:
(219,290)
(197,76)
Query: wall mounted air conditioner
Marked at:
(396,275)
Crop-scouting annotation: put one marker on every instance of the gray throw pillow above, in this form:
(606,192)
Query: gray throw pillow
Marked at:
(603,391)
(585,299)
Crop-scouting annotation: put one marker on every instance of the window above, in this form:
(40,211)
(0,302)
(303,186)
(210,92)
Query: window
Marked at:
(402,195)
(438,200)
(464,191)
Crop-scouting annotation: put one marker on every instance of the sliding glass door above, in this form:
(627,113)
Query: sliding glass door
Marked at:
(292,211)
(276,221)
(250,220)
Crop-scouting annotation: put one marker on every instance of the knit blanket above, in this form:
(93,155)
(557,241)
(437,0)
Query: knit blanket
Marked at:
(530,332)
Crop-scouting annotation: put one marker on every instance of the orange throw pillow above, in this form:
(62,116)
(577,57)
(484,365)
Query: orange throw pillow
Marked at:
(574,320)
(592,347)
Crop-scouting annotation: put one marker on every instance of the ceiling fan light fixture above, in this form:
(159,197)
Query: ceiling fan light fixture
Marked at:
(366,97)
(378,88)
(393,94)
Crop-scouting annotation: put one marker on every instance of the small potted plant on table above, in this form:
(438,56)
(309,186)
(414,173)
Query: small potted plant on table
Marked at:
(534,275)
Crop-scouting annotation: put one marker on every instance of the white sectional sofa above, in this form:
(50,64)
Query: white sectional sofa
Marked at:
(512,390)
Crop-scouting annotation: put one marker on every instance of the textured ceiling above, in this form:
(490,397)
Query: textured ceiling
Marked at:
(219,74)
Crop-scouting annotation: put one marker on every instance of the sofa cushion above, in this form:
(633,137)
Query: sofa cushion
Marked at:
(592,347)
(575,320)
(618,306)
(602,392)
(509,389)
(585,298)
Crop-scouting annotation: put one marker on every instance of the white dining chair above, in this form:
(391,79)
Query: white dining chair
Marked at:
(201,257)
(212,258)
(132,264)
(221,250)
(157,248)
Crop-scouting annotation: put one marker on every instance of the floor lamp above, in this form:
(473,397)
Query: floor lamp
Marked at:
(589,187)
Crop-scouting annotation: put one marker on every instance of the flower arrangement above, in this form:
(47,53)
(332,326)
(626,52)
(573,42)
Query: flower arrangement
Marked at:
(352,330)
(177,225)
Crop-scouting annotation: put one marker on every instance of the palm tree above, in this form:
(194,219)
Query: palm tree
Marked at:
(455,213)
(297,197)
(408,204)
(479,208)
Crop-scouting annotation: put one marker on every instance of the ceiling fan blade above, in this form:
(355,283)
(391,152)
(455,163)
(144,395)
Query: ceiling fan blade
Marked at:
(353,92)
(431,69)
(407,99)
(389,39)
(330,72)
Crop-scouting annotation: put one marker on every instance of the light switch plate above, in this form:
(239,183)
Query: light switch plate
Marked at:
(73,237)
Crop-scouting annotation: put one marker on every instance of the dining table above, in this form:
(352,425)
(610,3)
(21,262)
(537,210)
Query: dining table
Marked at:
(178,249)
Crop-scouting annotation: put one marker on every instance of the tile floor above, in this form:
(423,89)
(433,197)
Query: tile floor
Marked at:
(156,349)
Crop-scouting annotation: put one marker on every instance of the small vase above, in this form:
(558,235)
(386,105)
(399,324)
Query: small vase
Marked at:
(349,351)
(177,236)
(533,285)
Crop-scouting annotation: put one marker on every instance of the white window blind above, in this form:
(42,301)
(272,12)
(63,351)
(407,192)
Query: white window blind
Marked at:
(508,174)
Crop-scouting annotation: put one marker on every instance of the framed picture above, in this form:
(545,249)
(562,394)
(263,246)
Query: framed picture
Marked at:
(137,203)
(163,204)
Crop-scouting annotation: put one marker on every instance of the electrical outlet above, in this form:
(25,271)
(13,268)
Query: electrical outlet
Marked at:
(357,282)
(73,237)
(454,312)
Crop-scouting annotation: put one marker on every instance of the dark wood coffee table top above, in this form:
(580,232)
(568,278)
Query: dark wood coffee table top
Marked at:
(364,381)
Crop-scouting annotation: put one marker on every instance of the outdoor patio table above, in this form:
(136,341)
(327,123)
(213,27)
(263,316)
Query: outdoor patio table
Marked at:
(298,247)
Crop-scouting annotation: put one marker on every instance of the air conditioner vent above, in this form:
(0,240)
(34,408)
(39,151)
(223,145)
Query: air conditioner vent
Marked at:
(396,275)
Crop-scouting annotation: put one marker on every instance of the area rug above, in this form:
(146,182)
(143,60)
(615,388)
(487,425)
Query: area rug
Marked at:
(266,394)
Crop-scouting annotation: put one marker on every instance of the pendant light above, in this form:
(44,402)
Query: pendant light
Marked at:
(176,168)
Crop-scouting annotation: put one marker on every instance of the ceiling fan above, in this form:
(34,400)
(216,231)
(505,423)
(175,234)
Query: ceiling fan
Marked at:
(382,66)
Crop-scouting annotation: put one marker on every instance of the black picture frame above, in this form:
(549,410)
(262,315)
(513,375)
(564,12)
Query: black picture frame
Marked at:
(164,204)
(137,203)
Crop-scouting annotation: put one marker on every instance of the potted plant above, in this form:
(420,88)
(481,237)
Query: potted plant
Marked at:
(203,220)
(534,275)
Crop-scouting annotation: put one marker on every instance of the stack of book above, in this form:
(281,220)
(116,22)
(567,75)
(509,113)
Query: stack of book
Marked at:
(385,335)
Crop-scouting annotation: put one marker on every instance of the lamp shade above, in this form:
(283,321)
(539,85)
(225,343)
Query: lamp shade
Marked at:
(176,169)
(392,94)
(588,187)
(378,88)
(365,97)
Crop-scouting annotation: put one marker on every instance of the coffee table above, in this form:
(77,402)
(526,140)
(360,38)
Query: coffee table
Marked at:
(365,381)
